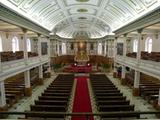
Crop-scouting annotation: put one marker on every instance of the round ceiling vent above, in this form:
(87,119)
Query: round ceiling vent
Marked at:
(82,0)
(82,10)
(82,18)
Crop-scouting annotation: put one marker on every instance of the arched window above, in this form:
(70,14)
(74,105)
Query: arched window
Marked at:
(99,48)
(148,45)
(135,45)
(28,45)
(63,48)
(1,44)
(15,44)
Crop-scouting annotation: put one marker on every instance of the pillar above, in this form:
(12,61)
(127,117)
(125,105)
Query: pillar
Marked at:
(108,50)
(115,54)
(49,47)
(105,48)
(40,68)
(139,44)
(49,70)
(39,46)
(124,45)
(136,83)
(136,90)
(158,104)
(49,63)
(28,88)
(3,106)
(25,52)
(0,64)
(123,80)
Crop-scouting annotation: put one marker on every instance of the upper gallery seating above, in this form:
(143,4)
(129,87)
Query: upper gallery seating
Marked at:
(56,96)
(9,55)
(108,98)
(153,56)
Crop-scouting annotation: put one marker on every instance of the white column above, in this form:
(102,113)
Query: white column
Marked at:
(58,52)
(123,71)
(115,54)
(0,64)
(108,51)
(25,52)
(111,50)
(39,46)
(2,95)
(136,79)
(27,79)
(159,98)
(40,71)
(49,55)
(137,73)
(105,48)
(124,45)
(139,44)
(49,47)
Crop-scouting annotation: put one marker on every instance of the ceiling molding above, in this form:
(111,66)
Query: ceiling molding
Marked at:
(145,21)
(113,14)
(13,18)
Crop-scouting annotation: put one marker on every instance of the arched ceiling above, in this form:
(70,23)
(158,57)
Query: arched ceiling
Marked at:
(96,18)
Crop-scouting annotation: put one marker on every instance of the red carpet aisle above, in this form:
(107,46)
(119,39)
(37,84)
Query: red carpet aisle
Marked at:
(82,101)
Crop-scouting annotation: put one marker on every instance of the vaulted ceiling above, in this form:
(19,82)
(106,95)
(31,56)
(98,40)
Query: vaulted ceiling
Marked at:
(96,18)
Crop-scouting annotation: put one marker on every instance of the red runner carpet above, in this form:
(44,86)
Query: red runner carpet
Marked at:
(82,101)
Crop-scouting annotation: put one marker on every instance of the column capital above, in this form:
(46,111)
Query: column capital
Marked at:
(24,30)
(47,37)
(140,30)
(116,37)
(125,35)
(38,34)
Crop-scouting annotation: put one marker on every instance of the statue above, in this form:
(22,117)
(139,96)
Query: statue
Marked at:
(81,56)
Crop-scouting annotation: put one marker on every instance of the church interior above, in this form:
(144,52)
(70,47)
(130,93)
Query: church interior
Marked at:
(80,59)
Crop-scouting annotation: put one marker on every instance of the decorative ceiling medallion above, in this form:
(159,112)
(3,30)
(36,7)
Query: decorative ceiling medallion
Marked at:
(82,18)
(82,0)
(82,10)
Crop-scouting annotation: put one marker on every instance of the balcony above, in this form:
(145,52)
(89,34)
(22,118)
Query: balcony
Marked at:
(145,66)
(13,67)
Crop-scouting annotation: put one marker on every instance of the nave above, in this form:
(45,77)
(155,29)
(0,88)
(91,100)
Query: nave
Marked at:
(92,105)
(80,59)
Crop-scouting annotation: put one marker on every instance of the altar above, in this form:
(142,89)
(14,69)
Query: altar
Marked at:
(81,68)
(81,59)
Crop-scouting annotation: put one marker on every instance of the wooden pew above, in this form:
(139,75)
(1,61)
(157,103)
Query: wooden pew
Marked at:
(113,102)
(51,102)
(55,98)
(111,108)
(45,97)
(108,97)
(48,108)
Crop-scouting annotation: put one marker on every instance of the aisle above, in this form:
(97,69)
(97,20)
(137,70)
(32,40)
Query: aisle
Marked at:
(82,101)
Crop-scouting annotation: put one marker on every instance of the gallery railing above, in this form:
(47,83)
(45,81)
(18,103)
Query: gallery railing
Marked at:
(87,115)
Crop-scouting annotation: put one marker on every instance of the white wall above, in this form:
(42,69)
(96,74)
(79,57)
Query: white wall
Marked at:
(155,42)
(7,41)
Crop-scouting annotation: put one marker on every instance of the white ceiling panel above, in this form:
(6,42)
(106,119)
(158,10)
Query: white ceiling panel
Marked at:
(96,18)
